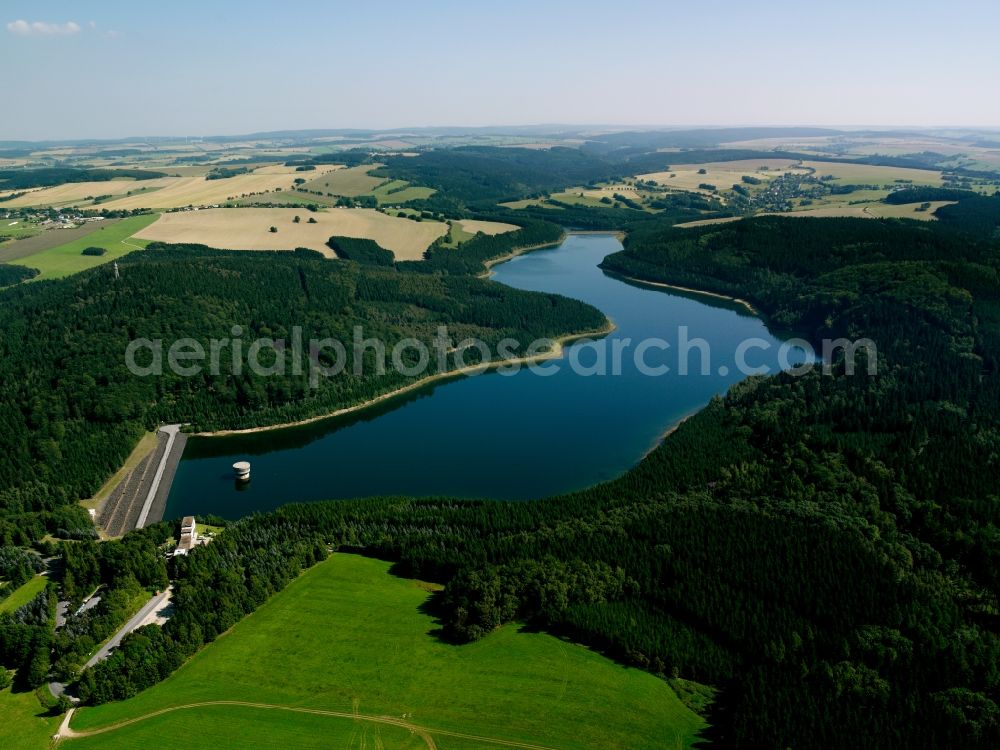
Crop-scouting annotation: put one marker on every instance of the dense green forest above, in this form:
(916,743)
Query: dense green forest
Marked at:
(26,640)
(21,179)
(213,590)
(972,213)
(17,565)
(481,176)
(76,411)
(367,252)
(822,548)
(13,274)
(487,175)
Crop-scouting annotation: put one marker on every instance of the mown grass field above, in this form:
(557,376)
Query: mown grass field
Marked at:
(348,637)
(23,594)
(78,193)
(249,229)
(873,210)
(475,226)
(354,182)
(195,190)
(14,229)
(213,727)
(400,191)
(866,174)
(24,724)
(46,239)
(68,258)
(349,182)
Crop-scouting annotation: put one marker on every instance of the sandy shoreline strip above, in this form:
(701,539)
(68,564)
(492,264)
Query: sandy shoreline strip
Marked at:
(668,432)
(514,253)
(620,236)
(556,352)
(663,285)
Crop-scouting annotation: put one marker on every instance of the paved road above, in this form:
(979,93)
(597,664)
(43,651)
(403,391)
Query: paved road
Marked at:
(147,609)
(171,430)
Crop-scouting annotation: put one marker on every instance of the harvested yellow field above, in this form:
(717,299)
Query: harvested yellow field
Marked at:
(707,222)
(282,169)
(863,211)
(349,182)
(78,192)
(872,211)
(473,226)
(595,194)
(866,174)
(195,190)
(721,174)
(249,229)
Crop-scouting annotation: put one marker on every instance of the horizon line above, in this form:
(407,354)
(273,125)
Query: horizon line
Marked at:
(608,127)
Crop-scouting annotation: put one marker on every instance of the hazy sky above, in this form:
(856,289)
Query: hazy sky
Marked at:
(112,69)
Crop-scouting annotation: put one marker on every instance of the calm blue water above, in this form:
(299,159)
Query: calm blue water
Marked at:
(513,437)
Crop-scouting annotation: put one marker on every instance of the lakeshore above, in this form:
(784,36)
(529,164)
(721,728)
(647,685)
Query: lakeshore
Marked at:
(489,264)
(556,352)
(690,290)
(517,436)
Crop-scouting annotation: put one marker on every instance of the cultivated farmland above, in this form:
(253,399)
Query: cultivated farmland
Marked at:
(866,174)
(350,182)
(721,174)
(348,639)
(75,193)
(195,190)
(249,229)
(354,182)
(473,226)
(63,260)
(874,210)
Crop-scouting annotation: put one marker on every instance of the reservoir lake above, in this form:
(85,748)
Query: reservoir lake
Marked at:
(513,437)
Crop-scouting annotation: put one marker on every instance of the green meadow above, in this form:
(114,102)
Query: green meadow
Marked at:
(24,723)
(400,191)
(24,594)
(348,637)
(67,259)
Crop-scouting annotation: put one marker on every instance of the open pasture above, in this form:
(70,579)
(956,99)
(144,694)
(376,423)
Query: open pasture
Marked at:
(350,182)
(24,724)
(12,230)
(400,191)
(348,638)
(68,258)
(249,229)
(36,239)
